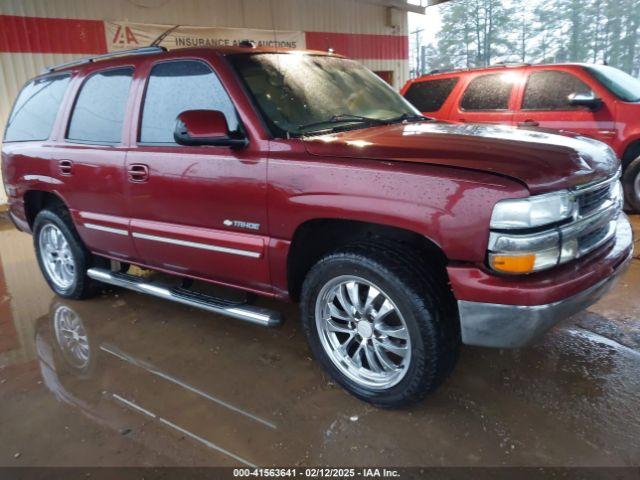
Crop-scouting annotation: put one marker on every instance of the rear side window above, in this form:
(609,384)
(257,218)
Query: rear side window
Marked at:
(488,92)
(550,90)
(36,109)
(430,95)
(99,110)
(175,87)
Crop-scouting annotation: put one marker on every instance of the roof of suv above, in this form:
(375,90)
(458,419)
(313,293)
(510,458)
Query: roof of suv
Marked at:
(155,52)
(491,68)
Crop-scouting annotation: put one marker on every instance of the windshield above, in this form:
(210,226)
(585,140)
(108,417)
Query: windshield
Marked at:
(621,84)
(301,94)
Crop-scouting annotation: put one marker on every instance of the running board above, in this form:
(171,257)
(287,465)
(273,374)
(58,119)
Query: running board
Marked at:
(249,313)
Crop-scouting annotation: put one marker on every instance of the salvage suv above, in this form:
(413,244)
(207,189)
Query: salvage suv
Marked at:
(596,101)
(302,176)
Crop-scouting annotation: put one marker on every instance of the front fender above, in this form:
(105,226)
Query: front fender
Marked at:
(451,207)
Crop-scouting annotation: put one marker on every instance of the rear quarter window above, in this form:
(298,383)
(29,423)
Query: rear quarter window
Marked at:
(430,95)
(36,108)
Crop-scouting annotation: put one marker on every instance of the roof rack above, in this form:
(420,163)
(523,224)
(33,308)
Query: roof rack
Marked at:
(511,64)
(104,56)
(471,69)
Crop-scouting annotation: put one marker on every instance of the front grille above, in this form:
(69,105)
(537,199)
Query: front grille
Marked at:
(592,239)
(592,200)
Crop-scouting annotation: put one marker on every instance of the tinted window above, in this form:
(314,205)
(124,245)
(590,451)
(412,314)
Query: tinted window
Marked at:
(175,87)
(429,96)
(550,90)
(35,109)
(489,92)
(99,110)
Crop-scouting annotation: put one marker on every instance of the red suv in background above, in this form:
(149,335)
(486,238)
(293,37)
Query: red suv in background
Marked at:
(593,100)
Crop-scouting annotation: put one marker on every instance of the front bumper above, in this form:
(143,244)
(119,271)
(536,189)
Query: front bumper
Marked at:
(513,326)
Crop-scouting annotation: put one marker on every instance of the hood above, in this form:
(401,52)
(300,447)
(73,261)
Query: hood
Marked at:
(540,160)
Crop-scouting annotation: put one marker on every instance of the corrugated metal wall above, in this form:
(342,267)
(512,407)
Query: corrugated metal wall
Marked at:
(340,16)
(348,16)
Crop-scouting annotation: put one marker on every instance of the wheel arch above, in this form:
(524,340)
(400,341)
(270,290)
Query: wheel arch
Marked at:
(37,200)
(631,152)
(317,237)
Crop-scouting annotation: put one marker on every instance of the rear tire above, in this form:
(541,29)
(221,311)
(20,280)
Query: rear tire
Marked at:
(391,360)
(631,185)
(62,256)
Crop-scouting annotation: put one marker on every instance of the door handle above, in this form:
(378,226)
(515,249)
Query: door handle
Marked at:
(529,123)
(138,173)
(65,167)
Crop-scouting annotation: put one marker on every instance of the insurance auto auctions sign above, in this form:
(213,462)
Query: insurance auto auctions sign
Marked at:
(125,35)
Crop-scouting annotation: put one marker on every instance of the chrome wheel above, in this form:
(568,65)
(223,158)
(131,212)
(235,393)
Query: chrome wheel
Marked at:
(363,332)
(636,187)
(72,337)
(56,256)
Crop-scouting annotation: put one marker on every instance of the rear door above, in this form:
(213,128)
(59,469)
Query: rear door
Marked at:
(199,211)
(489,98)
(88,161)
(545,103)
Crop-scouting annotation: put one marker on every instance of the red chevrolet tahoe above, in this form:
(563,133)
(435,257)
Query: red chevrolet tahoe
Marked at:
(597,101)
(302,176)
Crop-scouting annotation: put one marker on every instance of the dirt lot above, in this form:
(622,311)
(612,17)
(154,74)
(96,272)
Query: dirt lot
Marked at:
(167,385)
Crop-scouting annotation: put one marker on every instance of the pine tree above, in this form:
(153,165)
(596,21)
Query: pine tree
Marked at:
(481,32)
(454,37)
(475,32)
(629,42)
(547,32)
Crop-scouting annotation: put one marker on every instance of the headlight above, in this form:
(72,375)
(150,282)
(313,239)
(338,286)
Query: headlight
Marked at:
(531,234)
(533,211)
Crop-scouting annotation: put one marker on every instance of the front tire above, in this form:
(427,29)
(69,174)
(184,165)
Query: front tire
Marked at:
(631,185)
(382,325)
(62,257)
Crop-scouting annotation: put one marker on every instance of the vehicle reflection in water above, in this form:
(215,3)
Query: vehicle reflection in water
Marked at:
(76,362)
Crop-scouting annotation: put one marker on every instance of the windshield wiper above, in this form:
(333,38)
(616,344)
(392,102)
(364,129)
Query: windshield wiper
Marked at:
(348,118)
(344,118)
(409,117)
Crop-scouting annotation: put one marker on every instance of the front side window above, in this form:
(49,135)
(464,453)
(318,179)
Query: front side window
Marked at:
(178,86)
(550,90)
(301,94)
(36,109)
(99,111)
(488,92)
(430,95)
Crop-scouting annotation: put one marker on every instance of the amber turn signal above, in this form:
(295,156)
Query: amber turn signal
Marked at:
(522,263)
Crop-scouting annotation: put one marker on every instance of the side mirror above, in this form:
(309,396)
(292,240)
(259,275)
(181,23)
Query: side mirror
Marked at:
(205,127)
(588,100)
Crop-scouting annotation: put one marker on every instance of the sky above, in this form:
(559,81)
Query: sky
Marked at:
(430,22)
